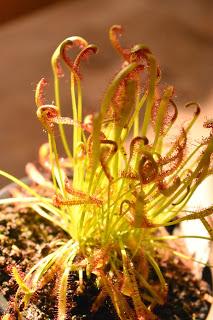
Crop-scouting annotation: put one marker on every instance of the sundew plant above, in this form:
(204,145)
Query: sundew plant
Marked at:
(125,177)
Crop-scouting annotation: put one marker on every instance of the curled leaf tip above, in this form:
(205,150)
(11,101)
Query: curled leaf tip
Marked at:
(114,33)
(140,51)
(168,189)
(136,145)
(195,104)
(147,168)
(39,92)
(84,54)
(62,51)
(46,114)
(73,41)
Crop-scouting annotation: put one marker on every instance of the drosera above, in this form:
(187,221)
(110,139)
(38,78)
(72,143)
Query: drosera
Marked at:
(118,186)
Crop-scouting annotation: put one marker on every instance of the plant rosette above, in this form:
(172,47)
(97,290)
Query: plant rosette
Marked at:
(119,184)
(36,309)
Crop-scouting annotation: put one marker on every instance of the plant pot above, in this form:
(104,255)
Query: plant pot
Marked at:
(34,312)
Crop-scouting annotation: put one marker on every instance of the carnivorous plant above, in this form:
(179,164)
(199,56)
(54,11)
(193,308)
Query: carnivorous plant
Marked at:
(123,179)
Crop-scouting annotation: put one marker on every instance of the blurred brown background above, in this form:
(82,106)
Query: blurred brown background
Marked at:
(179,32)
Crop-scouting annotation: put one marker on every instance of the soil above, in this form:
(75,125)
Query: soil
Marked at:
(25,238)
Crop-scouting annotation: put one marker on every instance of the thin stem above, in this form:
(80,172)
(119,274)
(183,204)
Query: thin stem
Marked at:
(58,104)
(57,167)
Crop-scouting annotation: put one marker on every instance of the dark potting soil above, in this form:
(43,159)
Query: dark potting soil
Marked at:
(25,238)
